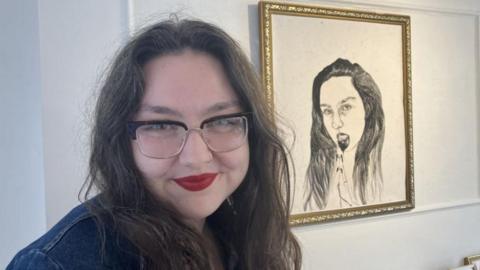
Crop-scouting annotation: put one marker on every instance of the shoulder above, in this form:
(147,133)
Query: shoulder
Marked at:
(33,259)
(73,243)
(74,236)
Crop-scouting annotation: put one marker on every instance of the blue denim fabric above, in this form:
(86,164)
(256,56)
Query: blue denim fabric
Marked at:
(74,243)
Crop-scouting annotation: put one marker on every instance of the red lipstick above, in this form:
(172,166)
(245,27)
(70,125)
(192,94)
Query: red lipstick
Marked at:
(196,182)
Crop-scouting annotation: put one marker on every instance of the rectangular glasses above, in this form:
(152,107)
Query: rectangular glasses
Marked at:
(165,138)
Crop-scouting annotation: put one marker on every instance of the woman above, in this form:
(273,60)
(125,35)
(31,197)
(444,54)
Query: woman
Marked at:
(347,134)
(189,170)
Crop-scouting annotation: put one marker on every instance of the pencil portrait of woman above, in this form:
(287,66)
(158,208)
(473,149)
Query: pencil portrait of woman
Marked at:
(347,134)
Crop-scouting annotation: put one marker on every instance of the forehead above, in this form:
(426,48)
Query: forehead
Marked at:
(337,89)
(185,82)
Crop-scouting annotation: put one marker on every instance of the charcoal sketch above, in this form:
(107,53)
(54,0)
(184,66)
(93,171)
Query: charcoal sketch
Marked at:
(347,133)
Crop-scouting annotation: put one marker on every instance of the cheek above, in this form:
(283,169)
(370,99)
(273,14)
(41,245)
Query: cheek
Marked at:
(327,122)
(357,121)
(150,168)
(236,162)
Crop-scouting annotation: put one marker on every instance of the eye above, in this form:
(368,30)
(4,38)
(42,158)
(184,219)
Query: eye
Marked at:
(160,130)
(345,108)
(225,124)
(327,111)
(160,127)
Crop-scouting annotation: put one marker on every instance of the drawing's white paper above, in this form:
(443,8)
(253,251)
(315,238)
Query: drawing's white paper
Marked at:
(303,46)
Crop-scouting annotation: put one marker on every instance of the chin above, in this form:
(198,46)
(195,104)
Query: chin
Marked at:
(200,210)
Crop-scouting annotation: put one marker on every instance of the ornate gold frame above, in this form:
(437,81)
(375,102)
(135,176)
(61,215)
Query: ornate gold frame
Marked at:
(266,10)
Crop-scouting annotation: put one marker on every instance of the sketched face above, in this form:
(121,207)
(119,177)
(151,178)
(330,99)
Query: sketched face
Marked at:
(343,112)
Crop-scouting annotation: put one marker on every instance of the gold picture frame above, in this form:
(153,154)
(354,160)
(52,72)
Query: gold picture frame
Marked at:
(297,41)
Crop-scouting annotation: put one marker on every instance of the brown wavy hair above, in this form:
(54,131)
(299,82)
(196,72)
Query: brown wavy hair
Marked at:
(254,221)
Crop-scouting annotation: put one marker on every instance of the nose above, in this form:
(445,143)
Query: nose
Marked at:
(337,122)
(195,151)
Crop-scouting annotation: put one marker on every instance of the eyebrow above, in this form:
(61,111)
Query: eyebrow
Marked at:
(217,107)
(341,101)
(347,99)
(221,106)
(159,110)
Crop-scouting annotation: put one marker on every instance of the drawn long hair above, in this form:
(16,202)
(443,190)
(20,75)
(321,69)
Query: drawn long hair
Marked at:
(254,221)
(367,171)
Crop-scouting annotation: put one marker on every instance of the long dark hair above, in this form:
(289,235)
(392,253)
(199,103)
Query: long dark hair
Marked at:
(367,171)
(254,220)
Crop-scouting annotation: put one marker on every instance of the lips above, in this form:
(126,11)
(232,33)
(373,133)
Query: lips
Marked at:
(343,141)
(196,182)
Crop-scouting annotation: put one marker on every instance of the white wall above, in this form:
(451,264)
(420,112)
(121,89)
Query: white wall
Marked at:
(51,53)
(77,40)
(22,193)
(66,46)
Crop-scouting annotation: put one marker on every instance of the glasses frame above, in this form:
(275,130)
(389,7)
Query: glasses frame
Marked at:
(132,127)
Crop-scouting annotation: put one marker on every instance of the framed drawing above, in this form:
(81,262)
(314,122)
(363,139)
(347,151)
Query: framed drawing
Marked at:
(473,260)
(341,81)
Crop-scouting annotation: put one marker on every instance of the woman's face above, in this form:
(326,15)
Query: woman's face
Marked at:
(343,112)
(190,87)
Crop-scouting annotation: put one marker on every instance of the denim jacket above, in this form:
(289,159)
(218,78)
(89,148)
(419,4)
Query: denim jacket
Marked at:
(74,243)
